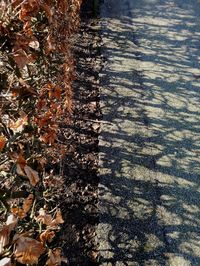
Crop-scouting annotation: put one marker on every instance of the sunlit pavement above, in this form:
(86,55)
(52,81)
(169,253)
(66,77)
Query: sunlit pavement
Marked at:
(150,144)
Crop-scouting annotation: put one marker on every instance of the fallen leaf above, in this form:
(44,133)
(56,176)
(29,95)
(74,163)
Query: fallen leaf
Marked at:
(21,58)
(27,250)
(48,137)
(58,219)
(22,212)
(34,45)
(5,262)
(48,220)
(20,161)
(4,238)
(28,203)
(55,258)
(2,142)
(48,11)
(19,212)
(47,236)
(32,175)
(50,46)
(19,170)
(6,230)
(11,222)
(18,126)
(44,217)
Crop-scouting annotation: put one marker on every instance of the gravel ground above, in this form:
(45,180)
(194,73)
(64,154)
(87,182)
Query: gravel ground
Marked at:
(150,139)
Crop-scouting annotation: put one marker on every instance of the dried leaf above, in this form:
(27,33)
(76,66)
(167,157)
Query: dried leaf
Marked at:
(44,217)
(55,258)
(32,175)
(34,45)
(48,11)
(28,203)
(6,262)
(48,137)
(26,86)
(19,170)
(19,212)
(20,161)
(50,46)
(27,250)
(11,222)
(6,230)
(21,58)
(4,238)
(48,220)
(22,212)
(58,219)
(47,236)
(2,142)
(18,126)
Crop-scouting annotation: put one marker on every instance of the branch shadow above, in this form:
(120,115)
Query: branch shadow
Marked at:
(149,146)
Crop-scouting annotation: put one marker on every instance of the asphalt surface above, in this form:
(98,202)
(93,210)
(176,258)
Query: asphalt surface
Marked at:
(150,138)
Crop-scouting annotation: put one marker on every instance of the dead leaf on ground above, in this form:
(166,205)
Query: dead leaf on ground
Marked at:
(4,238)
(27,250)
(19,212)
(57,220)
(22,212)
(2,142)
(48,220)
(34,45)
(32,175)
(47,236)
(55,258)
(44,217)
(28,203)
(18,126)
(6,230)
(21,58)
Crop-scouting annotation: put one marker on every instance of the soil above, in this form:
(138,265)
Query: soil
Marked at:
(79,201)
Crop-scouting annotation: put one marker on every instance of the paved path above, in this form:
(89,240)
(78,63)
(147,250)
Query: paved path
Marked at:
(150,145)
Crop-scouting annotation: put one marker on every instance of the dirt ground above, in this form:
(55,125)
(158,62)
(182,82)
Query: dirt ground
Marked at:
(80,196)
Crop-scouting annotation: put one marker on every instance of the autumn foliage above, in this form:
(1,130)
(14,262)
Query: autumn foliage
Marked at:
(36,74)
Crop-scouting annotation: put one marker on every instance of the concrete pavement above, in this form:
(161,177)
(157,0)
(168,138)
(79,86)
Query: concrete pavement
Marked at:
(150,146)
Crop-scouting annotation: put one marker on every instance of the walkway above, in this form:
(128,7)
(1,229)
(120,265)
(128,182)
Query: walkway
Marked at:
(150,145)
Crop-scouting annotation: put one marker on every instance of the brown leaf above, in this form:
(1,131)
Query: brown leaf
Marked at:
(34,45)
(50,46)
(48,11)
(28,203)
(49,137)
(26,86)
(27,250)
(58,219)
(22,212)
(44,217)
(47,236)
(20,162)
(55,258)
(6,230)
(2,142)
(32,175)
(4,238)
(19,170)
(48,220)
(19,212)
(21,58)
(18,126)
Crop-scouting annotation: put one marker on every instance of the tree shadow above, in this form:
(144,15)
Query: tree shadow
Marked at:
(150,141)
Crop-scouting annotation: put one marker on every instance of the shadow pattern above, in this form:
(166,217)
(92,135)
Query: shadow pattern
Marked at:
(150,140)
